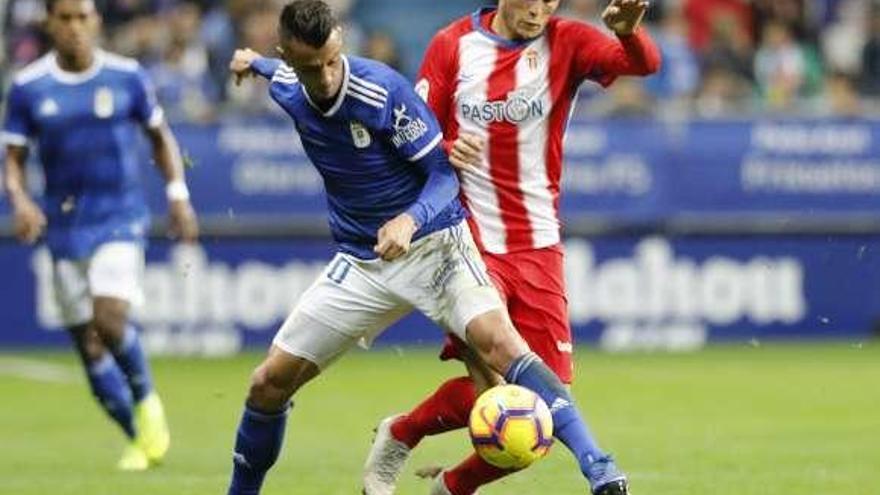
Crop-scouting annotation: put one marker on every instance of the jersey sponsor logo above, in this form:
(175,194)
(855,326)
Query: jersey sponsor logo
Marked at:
(407,129)
(104,102)
(360,135)
(48,108)
(517,108)
(423,89)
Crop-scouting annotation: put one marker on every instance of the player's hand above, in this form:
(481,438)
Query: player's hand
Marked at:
(183,224)
(624,16)
(395,237)
(28,220)
(467,151)
(240,66)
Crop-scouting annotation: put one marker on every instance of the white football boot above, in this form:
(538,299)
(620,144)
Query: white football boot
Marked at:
(385,461)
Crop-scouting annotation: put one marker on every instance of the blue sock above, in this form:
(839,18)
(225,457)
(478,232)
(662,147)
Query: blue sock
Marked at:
(257,445)
(109,388)
(133,362)
(568,426)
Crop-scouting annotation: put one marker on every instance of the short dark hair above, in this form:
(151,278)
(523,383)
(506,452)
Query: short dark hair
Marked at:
(50,5)
(309,21)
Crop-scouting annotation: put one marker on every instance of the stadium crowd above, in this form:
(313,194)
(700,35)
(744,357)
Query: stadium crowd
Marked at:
(721,57)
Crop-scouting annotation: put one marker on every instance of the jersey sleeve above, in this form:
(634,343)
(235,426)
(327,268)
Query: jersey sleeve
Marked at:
(18,125)
(437,75)
(267,67)
(146,105)
(602,58)
(410,125)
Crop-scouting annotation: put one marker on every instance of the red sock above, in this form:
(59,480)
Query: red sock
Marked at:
(471,474)
(448,408)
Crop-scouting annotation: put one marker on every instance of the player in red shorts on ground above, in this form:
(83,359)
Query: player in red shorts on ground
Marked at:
(502,83)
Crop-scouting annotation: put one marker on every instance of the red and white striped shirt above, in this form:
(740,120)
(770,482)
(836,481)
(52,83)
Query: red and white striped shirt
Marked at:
(518,96)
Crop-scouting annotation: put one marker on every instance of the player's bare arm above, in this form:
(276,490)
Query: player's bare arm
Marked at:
(240,65)
(466,151)
(28,219)
(181,216)
(394,238)
(624,16)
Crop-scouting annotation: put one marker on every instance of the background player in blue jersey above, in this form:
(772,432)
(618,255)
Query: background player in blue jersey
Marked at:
(84,107)
(403,244)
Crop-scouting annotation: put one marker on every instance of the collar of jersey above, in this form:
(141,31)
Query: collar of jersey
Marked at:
(504,42)
(346,72)
(66,77)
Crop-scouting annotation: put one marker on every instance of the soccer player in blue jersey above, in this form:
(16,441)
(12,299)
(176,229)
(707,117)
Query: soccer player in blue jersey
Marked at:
(399,226)
(84,107)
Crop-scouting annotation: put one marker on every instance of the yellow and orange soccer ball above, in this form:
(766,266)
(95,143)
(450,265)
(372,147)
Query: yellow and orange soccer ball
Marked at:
(511,427)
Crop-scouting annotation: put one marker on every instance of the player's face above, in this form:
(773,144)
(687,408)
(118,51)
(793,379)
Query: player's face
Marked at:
(526,19)
(73,26)
(318,69)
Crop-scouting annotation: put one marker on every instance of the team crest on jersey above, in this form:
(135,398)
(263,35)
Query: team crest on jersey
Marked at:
(103,102)
(532,59)
(48,108)
(407,129)
(360,135)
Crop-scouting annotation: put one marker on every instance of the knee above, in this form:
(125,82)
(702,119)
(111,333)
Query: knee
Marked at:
(270,391)
(88,344)
(496,341)
(109,322)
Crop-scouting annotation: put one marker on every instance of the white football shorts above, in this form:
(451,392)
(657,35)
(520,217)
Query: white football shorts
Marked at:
(116,269)
(354,300)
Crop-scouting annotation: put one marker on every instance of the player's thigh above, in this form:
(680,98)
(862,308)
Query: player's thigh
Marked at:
(116,271)
(444,277)
(343,307)
(539,309)
(70,284)
(453,346)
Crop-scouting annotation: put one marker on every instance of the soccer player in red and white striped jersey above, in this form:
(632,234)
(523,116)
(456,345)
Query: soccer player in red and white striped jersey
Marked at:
(503,83)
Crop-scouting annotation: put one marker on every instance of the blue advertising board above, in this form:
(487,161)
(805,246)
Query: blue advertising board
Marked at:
(625,292)
(621,172)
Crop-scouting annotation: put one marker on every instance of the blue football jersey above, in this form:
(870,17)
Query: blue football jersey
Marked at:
(377,149)
(86,127)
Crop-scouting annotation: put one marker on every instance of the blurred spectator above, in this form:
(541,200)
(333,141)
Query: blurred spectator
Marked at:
(790,13)
(720,56)
(723,92)
(844,36)
(142,38)
(258,31)
(703,15)
(679,74)
(840,98)
(870,77)
(627,98)
(183,82)
(22,32)
(382,47)
(783,68)
(731,50)
(117,13)
(220,35)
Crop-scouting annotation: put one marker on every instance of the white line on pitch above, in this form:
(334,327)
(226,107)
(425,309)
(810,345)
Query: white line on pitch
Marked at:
(39,371)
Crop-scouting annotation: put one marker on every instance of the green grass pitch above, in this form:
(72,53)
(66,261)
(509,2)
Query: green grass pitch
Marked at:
(792,420)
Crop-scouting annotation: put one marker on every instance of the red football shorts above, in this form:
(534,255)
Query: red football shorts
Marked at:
(532,283)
